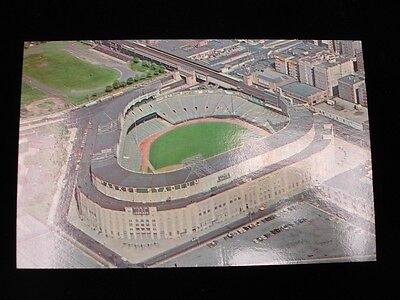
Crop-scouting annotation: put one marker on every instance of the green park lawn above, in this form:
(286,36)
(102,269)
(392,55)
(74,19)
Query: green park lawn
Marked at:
(30,94)
(144,69)
(64,72)
(52,46)
(207,139)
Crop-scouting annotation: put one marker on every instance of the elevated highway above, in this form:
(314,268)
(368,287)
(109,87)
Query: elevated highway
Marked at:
(269,99)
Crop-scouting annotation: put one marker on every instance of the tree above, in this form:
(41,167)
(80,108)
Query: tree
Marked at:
(135,59)
(129,81)
(109,88)
(148,75)
(145,63)
(122,84)
(156,73)
(116,84)
(136,79)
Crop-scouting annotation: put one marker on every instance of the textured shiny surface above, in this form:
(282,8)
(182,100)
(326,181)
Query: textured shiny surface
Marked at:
(322,238)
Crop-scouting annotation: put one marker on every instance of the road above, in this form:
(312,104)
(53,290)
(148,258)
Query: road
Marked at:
(86,120)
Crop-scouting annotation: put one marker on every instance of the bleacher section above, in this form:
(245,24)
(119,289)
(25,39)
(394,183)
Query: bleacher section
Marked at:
(131,154)
(174,109)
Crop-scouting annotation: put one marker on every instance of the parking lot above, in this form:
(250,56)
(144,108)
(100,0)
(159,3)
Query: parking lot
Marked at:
(300,233)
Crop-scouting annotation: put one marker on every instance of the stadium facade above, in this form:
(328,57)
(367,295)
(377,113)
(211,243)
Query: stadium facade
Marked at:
(115,197)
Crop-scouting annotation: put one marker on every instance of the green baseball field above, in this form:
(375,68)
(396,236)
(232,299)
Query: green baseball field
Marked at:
(207,139)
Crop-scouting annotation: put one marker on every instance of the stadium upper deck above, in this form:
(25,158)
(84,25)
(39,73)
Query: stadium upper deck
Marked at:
(109,170)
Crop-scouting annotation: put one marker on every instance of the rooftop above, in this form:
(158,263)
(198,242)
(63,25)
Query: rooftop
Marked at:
(345,109)
(221,44)
(301,89)
(270,75)
(183,48)
(337,61)
(351,79)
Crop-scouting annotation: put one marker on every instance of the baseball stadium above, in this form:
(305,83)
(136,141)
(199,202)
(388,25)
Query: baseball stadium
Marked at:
(178,164)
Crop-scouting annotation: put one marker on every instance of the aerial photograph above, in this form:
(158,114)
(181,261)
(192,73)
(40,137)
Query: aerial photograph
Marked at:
(193,153)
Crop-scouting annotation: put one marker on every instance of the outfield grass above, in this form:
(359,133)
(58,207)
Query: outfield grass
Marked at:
(207,139)
(64,72)
(30,94)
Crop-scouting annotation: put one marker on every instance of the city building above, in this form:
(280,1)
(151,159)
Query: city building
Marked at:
(350,48)
(363,95)
(271,79)
(326,74)
(307,64)
(287,63)
(304,93)
(350,88)
(360,61)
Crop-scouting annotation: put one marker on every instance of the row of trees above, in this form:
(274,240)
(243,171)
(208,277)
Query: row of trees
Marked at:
(147,64)
(154,70)
(119,84)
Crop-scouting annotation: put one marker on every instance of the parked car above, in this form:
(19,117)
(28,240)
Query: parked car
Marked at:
(270,218)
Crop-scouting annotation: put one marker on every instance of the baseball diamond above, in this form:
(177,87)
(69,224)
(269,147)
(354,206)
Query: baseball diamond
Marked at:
(207,139)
